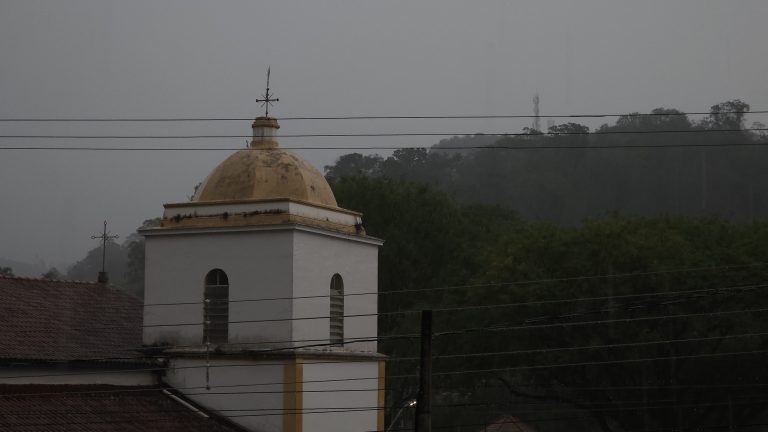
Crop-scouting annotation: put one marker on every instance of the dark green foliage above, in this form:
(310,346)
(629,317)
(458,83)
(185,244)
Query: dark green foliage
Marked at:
(564,183)
(6,271)
(433,242)
(354,164)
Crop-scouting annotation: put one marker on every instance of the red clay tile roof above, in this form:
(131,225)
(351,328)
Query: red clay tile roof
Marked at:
(99,408)
(42,319)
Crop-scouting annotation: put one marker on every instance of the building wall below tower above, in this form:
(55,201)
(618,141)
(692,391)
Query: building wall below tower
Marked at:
(350,404)
(249,393)
(285,395)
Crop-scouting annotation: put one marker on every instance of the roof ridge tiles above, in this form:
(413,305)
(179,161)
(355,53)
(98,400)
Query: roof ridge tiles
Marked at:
(53,280)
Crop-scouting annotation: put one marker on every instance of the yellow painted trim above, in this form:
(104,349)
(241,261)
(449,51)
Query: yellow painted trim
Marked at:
(293,397)
(380,417)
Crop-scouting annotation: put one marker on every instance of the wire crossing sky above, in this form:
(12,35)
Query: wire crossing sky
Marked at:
(470,64)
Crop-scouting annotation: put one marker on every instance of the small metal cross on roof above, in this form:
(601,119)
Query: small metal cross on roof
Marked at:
(267,101)
(104,236)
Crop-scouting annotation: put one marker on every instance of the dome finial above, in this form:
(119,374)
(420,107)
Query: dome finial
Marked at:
(267,101)
(264,128)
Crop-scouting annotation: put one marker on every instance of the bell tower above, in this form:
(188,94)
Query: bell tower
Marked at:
(261,288)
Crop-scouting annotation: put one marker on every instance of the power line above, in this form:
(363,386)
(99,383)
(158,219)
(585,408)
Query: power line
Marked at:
(594,406)
(382,117)
(466,308)
(728,427)
(526,324)
(491,147)
(502,284)
(590,363)
(587,347)
(281,411)
(343,390)
(166,368)
(163,368)
(324,342)
(439,334)
(451,309)
(608,321)
(318,410)
(393,134)
(490,354)
(495,328)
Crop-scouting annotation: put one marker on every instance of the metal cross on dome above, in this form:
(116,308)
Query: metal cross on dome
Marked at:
(267,101)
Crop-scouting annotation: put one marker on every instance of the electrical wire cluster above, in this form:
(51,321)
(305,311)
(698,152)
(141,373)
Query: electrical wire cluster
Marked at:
(622,309)
(563,313)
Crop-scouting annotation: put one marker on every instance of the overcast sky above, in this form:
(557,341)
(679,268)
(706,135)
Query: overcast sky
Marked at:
(184,58)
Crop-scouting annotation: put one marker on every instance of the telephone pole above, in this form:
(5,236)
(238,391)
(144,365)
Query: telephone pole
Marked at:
(424,399)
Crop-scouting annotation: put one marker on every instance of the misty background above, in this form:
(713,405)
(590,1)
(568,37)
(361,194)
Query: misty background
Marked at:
(146,59)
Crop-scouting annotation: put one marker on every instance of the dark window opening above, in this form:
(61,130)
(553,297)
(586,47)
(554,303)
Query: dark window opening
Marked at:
(337,310)
(216,307)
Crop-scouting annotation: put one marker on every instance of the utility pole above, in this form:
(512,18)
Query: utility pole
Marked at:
(424,399)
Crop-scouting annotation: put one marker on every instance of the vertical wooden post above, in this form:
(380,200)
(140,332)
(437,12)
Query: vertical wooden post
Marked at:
(424,400)
(381,396)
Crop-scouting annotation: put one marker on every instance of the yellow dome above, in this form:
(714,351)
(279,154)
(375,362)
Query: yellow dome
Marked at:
(265,172)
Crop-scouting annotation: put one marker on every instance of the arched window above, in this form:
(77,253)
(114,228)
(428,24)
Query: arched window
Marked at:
(337,310)
(216,307)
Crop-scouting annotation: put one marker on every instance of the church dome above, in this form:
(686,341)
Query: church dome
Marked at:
(265,172)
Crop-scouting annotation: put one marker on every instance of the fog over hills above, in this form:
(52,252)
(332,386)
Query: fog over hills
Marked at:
(146,59)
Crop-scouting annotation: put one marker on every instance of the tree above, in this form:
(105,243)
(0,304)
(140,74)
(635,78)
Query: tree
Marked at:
(355,164)
(531,131)
(479,251)
(569,128)
(728,115)
(406,164)
(677,384)
(52,273)
(566,178)
(429,241)
(6,271)
(659,119)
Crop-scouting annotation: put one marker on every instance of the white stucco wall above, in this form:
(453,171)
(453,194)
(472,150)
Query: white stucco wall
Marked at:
(251,395)
(336,396)
(257,264)
(282,262)
(250,392)
(316,259)
(267,262)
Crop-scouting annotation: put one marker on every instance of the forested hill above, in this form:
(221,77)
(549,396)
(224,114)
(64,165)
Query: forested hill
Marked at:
(681,166)
(579,328)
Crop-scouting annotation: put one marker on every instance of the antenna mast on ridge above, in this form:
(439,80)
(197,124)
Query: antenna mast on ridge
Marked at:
(536,118)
